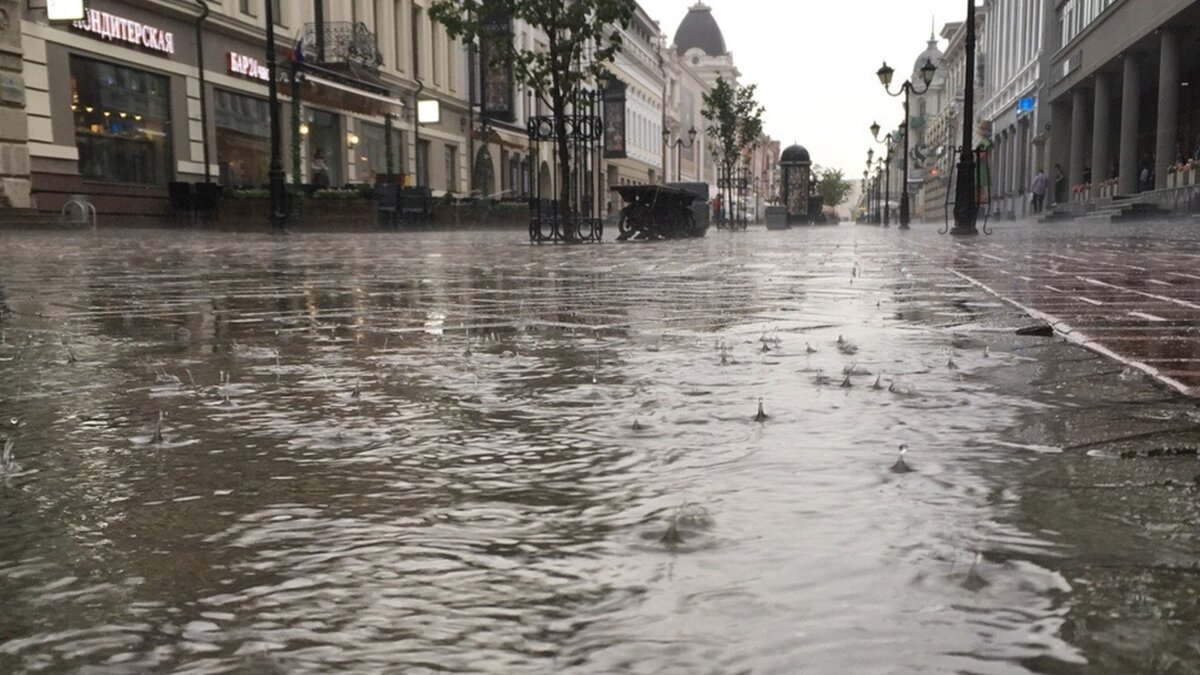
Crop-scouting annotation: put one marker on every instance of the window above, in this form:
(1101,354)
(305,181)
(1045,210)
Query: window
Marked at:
(277,10)
(415,27)
(122,123)
(372,151)
(451,168)
(243,145)
(247,7)
(435,62)
(422,177)
(399,13)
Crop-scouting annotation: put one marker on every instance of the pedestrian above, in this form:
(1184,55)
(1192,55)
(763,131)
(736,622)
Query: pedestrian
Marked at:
(1040,182)
(320,174)
(1144,179)
(1060,185)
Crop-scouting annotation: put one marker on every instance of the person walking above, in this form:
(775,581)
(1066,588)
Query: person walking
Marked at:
(1040,183)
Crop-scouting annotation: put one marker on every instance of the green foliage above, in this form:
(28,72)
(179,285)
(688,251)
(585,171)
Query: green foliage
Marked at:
(735,120)
(247,194)
(832,186)
(361,192)
(582,38)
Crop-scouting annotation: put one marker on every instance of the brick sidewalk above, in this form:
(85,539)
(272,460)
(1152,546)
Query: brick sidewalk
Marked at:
(1131,291)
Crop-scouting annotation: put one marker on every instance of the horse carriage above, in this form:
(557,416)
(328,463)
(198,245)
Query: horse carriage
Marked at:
(659,212)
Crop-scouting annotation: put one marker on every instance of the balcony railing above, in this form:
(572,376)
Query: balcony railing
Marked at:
(346,43)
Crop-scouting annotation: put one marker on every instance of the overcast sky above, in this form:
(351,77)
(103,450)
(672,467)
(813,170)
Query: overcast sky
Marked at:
(814,62)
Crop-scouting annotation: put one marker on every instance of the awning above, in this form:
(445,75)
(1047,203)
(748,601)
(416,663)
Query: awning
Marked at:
(505,138)
(327,92)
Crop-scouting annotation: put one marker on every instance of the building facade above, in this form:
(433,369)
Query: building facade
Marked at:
(1119,83)
(1010,101)
(116,109)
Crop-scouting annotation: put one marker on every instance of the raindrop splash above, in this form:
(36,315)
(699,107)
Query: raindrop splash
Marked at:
(902,466)
(762,415)
(7,463)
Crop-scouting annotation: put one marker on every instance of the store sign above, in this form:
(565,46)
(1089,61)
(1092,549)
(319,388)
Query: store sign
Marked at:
(1026,105)
(248,66)
(117,29)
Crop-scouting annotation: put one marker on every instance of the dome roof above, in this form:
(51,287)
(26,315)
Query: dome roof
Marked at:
(700,30)
(795,154)
(931,53)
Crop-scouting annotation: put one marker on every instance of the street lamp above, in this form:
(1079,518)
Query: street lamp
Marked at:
(279,208)
(679,144)
(966,209)
(888,141)
(885,78)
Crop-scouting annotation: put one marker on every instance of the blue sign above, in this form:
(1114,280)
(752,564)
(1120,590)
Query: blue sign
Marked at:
(1026,105)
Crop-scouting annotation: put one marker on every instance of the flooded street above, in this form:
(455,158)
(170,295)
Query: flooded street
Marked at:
(457,452)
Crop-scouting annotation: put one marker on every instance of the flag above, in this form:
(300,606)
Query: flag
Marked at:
(298,51)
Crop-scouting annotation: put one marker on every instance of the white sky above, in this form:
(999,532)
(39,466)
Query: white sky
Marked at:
(814,62)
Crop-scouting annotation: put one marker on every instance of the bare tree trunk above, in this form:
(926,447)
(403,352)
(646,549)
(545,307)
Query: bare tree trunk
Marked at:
(564,161)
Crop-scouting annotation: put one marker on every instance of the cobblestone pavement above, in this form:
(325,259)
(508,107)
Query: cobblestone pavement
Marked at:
(1130,291)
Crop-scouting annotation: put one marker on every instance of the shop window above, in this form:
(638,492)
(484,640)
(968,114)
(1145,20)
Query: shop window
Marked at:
(451,168)
(422,176)
(372,151)
(243,139)
(325,142)
(122,123)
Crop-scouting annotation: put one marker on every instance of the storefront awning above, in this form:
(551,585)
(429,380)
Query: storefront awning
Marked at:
(505,138)
(325,91)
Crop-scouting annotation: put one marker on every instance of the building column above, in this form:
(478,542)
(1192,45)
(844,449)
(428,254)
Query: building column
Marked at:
(1014,171)
(1131,93)
(1101,133)
(15,183)
(1078,136)
(1168,108)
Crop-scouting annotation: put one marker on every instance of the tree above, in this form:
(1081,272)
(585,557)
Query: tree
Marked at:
(832,186)
(582,37)
(735,125)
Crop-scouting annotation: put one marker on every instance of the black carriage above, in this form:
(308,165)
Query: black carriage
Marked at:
(658,212)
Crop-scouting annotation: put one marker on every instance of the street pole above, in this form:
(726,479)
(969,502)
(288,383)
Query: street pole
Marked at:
(966,209)
(904,166)
(906,90)
(204,11)
(279,210)
(887,188)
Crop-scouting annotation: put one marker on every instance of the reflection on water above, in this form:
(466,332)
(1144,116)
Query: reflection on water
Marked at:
(456,452)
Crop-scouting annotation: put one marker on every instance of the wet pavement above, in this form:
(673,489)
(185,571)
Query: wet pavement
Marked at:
(1129,290)
(421,453)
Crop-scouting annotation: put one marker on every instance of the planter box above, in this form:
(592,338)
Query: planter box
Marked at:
(314,213)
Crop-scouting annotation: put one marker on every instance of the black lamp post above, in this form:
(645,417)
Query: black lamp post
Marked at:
(885,78)
(889,142)
(966,209)
(867,193)
(279,209)
(679,144)
(879,195)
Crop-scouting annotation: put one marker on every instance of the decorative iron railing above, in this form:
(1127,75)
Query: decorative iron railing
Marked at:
(345,43)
